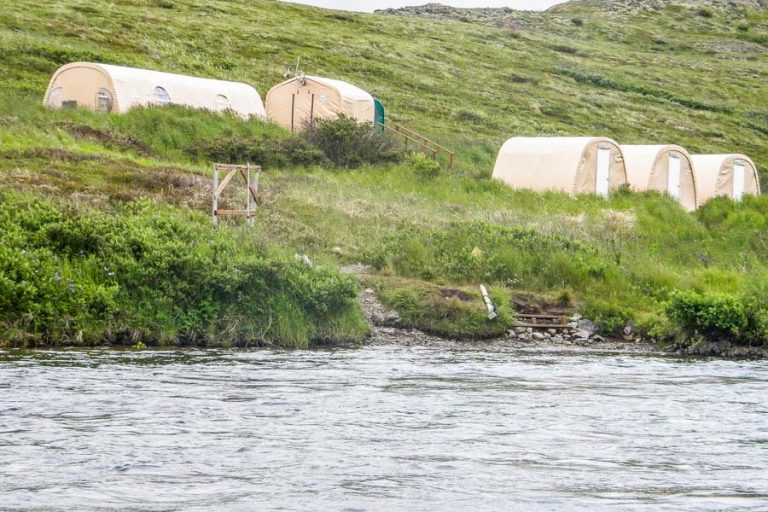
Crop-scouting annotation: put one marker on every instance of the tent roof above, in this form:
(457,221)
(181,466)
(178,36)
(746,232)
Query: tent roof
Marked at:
(130,85)
(708,169)
(544,163)
(345,89)
(639,161)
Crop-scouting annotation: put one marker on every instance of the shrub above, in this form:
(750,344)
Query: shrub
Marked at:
(704,12)
(721,316)
(577,21)
(423,166)
(160,274)
(265,151)
(348,143)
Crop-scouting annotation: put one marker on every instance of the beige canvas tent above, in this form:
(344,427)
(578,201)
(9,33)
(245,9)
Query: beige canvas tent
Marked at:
(733,176)
(665,168)
(296,102)
(107,88)
(576,165)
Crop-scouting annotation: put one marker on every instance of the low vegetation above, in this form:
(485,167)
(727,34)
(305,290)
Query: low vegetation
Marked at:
(158,275)
(132,192)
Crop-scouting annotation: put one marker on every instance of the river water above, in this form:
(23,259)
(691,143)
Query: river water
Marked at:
(381,428)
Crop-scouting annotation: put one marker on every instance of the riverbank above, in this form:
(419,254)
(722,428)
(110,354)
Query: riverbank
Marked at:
(131,192)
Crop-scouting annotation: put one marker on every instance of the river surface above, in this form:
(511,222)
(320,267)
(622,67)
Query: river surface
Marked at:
(381,428)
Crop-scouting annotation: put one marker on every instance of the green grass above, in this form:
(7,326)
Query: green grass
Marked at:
(653,76)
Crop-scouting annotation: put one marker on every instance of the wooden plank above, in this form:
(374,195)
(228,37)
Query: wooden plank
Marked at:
(229,167)
(541,317)
(225,182)
(544,326)
(235,213)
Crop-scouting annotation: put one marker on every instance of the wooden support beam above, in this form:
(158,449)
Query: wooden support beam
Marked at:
(236,213)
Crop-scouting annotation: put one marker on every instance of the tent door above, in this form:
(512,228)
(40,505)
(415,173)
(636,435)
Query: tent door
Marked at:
(673,182)
(738,181)
(603,175)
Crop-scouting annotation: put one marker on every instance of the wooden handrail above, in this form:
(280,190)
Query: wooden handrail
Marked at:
(427,144)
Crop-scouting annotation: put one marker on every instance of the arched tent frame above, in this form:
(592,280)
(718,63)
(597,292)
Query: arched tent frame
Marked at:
(81,83)
(715,176)
(575,165)
(300,100)
(650,167)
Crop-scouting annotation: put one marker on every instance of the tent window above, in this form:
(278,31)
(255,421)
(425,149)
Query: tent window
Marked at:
(738,181)
(54,98)
(603,175)
(673,183)
(222,102)
(161,96)
(103,100)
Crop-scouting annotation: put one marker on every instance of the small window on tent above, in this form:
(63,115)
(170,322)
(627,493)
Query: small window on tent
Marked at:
(54,98)
(161,96)
(103,100)
(222,102)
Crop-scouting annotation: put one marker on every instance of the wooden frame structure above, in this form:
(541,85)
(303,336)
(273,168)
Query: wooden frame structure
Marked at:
(427,146)
(251,176)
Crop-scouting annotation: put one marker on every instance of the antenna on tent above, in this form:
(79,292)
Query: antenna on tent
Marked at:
(298,73)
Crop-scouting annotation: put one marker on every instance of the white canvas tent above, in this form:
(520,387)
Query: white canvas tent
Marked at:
(733,176)
(663,168)
(294,103)
(576,165)
(108,88)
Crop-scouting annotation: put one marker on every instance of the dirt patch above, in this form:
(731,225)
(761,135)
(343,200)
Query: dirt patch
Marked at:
(106,138)
(452,293)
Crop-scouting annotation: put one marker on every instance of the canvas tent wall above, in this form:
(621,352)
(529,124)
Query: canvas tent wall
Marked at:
(733,176)
(663,168)
(296,102)
(108,88)
(576,165)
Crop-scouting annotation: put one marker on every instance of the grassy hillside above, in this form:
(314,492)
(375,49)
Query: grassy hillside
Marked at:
(677,74)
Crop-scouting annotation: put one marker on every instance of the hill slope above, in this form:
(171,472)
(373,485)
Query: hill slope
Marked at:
(676,74)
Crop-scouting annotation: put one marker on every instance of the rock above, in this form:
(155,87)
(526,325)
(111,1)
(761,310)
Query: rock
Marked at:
(552,331)
(538,336)
(582,335)
(338,251)
(511,333)
(576,317)
(529,330)
(392,317)
(521,330)
(586,325)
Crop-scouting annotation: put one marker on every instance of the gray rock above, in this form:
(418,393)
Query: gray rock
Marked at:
(552,331)
(586,325)
(392,317)
(582,335)
(538,336)
(521,330)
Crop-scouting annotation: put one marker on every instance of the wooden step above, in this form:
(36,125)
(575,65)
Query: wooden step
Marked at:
(542,317)
(544,326)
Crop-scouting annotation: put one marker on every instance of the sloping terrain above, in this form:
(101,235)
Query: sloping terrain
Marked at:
(690,75)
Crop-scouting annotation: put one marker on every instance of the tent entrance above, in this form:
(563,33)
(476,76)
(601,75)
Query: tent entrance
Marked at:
(738,181)
(673,181)
(379,112)
(302,110)
(603,174)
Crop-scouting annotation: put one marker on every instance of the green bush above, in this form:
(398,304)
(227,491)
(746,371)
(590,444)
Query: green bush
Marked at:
(160,274)
(720,316)
(265,151)
(424,167)
(348,143)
